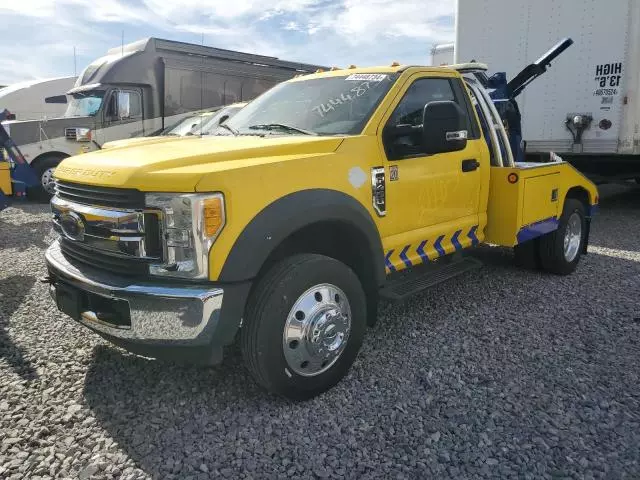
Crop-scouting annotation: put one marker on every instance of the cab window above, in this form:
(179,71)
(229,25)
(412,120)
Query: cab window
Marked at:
(408,114)
(124,105)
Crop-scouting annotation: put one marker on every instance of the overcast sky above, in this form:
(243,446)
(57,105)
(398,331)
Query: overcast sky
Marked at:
(39,35)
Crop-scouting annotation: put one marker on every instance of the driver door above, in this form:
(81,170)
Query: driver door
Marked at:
(122,116)
(432,200)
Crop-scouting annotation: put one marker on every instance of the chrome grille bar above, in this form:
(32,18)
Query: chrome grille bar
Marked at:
(121,233)
(109,197)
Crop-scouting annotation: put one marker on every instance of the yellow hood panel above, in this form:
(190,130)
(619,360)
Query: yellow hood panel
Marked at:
(128,142)
(178,164)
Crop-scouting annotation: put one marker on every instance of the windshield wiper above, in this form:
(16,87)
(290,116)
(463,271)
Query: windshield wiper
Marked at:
(281,126)
(231,129)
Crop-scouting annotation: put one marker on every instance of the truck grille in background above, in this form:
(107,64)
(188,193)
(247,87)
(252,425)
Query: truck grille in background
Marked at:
(70,134)
(100,196)
(94,258)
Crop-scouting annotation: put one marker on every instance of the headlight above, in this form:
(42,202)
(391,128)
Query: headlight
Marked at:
(83,134)
(191,222)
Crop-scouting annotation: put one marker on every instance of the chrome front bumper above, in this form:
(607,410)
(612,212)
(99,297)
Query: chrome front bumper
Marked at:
(159,313)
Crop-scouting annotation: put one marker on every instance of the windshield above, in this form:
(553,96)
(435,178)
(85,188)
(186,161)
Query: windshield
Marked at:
(212,122)
(85,104)
(320,106)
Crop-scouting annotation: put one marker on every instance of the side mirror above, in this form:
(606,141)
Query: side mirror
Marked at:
(56,99)
(123,105)
(444,127)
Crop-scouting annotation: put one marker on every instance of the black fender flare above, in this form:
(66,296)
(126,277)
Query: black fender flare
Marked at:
(287,215)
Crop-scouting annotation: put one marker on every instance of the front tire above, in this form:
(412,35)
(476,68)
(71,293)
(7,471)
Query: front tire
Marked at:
(304,325)
(45,168)
(560,250)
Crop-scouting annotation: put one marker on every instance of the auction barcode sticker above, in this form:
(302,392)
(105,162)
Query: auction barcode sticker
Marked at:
(367,77)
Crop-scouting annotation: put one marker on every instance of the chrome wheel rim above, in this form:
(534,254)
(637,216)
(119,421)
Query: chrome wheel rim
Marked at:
(47,180)
(317,330)
(572,237)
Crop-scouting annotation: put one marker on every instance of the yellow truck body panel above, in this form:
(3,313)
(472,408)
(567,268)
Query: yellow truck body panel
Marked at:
(5,178)
(530,197)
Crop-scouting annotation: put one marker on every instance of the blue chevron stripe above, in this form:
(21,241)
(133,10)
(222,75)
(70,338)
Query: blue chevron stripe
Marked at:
(387,261)
(403,256)
(438,246)
(420,251)
(472,235)
(455,242)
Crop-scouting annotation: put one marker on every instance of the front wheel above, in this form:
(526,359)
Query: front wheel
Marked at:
(304,325)
(45,169)
(560,250)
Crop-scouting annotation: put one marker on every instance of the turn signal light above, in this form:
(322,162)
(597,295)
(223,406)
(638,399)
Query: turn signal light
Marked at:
(213,216)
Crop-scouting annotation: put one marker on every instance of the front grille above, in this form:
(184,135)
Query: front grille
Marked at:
(120,240)
(129,198)
(94,258)
(70,133)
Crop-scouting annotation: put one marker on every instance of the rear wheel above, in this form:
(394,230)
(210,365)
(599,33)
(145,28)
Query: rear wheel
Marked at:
(560,251)
(305,322)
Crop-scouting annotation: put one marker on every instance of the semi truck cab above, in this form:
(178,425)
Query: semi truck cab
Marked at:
(284,229)
(140,88)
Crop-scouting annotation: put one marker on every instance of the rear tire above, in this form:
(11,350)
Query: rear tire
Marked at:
(301,352)
(560,250)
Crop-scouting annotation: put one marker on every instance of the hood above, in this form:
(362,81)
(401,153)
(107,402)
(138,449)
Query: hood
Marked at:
(127,142)
(177,164)
(24,132)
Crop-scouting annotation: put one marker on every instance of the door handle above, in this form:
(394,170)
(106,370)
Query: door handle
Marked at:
(470,165)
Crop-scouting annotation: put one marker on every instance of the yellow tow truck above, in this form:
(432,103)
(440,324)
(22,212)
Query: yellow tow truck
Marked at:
(286,227)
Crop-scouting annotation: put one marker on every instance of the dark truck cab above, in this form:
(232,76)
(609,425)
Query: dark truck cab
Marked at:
(139,89)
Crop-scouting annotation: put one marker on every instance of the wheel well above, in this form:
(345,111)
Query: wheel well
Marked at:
(36,161)
(339,240)
(579,194)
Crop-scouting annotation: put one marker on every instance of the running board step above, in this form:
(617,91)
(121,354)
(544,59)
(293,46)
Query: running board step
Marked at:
(407,285)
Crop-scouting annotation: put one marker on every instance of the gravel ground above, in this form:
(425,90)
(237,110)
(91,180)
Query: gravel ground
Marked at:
(500,372)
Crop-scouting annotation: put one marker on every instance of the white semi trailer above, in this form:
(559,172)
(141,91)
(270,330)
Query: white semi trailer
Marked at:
(36,99)
(587,108)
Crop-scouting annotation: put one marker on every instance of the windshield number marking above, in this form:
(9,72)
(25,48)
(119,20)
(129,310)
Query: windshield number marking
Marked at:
(358,91)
